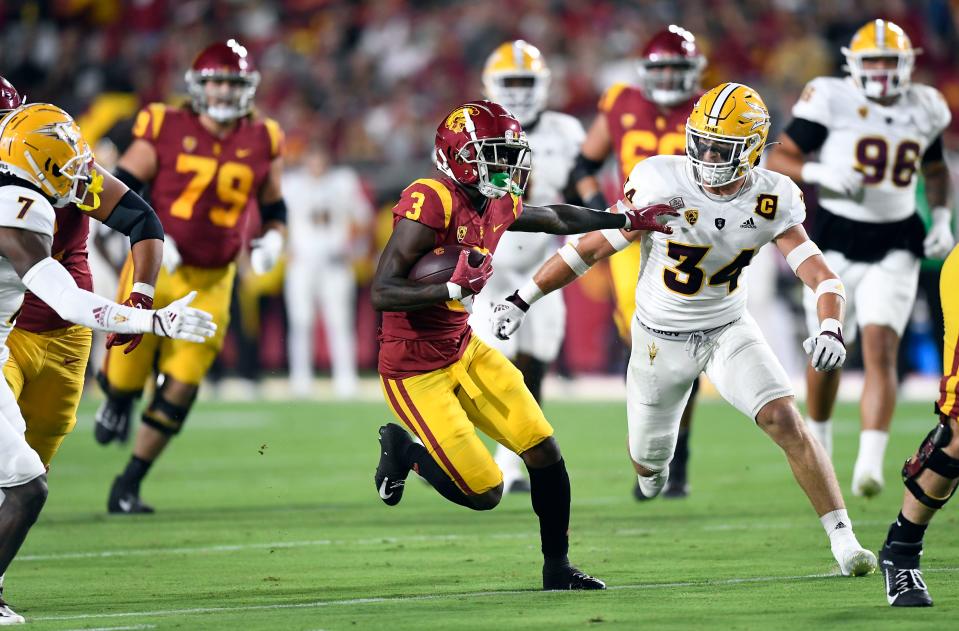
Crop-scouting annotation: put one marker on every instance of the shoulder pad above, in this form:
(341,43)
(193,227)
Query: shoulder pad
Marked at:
(149,121)
(427,201)
(609,97)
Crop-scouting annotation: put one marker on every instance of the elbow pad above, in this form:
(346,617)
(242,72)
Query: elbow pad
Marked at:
(585,167)
(135,218)
(274,211)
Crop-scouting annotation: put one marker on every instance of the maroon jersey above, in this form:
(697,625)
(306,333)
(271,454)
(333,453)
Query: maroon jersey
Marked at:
(415,342)
(70,248)
(204,185)
(639,128)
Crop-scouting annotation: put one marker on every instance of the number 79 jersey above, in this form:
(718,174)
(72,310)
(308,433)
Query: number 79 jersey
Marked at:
(885,143)
(693,279)
(204,185)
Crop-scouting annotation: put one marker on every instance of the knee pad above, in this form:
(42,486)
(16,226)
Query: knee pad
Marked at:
(165,416)
(931,456)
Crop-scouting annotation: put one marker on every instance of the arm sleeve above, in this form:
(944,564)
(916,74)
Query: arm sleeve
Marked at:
(807,135)
(51,282)
(135,218)
(275,211)
(933,152)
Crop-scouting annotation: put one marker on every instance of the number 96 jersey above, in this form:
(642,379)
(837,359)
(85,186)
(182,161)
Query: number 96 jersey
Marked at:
(205,185)
(885,143)
(693,280)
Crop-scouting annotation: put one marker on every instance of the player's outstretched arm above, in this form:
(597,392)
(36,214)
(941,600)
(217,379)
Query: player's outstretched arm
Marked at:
(392,290)
(569,263)
(826,349)
(29,253)
(568,219)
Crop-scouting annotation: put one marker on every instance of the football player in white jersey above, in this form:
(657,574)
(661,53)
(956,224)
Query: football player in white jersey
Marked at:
(874,131)
(45,161)
(691,312)
(517,77)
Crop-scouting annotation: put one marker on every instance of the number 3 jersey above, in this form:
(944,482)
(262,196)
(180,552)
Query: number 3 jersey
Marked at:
(886,143)
(693,280)
(205,185)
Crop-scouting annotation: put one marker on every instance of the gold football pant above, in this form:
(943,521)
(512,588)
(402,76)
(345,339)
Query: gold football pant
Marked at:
(45,372)
(949,293)
(445,407)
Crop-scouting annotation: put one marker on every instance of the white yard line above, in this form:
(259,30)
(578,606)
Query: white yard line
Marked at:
(430,597)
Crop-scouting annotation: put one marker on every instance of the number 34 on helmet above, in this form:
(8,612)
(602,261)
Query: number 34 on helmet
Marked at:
(726,134)
(40,143)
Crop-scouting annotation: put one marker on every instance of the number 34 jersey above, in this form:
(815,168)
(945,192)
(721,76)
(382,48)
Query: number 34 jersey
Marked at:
(205,185)
(693,280)
(885,143)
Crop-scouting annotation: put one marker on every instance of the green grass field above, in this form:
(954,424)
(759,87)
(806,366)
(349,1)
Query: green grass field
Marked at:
(268,519)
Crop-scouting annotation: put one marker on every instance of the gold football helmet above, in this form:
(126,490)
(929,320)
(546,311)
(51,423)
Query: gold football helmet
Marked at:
(880,39)
(726,133)
(516,77)
(40,143)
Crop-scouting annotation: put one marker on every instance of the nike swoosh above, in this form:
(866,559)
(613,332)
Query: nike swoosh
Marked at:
(125,505)
(497,227)
(70,360)
(243,153)
(383,494)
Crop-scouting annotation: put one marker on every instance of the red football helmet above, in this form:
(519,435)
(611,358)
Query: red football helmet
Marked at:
(481,144)
(10,99)
(671,67)
(229,63)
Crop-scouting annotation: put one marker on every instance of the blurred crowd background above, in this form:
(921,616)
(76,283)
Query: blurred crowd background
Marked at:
(359,87)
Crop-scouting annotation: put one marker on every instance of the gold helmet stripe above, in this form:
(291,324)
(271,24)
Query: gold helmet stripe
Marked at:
(717,109)
(880,34)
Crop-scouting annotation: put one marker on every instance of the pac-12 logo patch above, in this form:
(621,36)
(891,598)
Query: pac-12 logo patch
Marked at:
(676,203)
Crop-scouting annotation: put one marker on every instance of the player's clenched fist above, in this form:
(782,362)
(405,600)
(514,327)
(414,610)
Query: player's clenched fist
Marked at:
(180,321)
(508,315)
(471,279)
(826,351)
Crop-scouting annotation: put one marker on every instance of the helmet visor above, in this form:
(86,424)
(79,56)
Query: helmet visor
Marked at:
(504,166)
(716,159)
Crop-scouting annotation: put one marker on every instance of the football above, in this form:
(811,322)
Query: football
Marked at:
(437,265)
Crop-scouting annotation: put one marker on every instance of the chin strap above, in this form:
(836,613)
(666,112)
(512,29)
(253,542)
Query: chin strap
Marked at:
(94,188)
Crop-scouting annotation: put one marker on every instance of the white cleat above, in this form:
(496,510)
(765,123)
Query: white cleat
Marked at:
(9,616)
(855,561)
(866,484)
(653,485)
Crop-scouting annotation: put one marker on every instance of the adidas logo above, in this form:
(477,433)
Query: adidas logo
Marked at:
(840,524)
(749,223)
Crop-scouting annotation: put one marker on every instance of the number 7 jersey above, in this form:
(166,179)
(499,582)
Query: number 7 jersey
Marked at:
(885,143)
(205,185)
(693,280)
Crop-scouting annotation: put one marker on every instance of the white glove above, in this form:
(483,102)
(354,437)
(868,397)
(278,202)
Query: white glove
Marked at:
(826,351)
(265,252)
(171,255)
(939,240)
(180,321)
(508,315)
(842,181)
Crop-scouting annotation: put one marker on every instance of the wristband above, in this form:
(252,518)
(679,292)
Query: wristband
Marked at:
(456,292)
(143,288)
(530,292)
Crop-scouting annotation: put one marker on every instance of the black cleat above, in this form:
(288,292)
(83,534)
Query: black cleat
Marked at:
(519,485)
(901,573)
(567,577)
(112,420)
(676,489)
(126,501)
(391,472)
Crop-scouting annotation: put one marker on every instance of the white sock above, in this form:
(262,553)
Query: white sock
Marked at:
(822,430)
(872,450)
(838,527)
(509,463)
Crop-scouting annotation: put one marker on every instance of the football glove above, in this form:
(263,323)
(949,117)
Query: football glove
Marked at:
(939,240)
(826,351)
(180,321)
(137,300)
(845,182)
(471,279)
(171,255)
(265,252)
(651,218)
(508,315)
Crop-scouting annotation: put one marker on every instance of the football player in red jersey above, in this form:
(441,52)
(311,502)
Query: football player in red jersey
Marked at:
(636,122)
(48,355)
(441,381)
(208,166)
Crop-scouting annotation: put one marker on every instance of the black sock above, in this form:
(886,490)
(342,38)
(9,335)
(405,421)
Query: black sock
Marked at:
(677,468)
(422,462)
(904,531)
(136,470)
(550,495)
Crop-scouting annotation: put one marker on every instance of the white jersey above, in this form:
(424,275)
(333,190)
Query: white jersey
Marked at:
(692,280)
(322,211)
(555,141)
(23,208)
(885,142)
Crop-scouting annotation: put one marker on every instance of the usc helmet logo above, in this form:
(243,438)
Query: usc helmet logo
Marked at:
(456,122)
